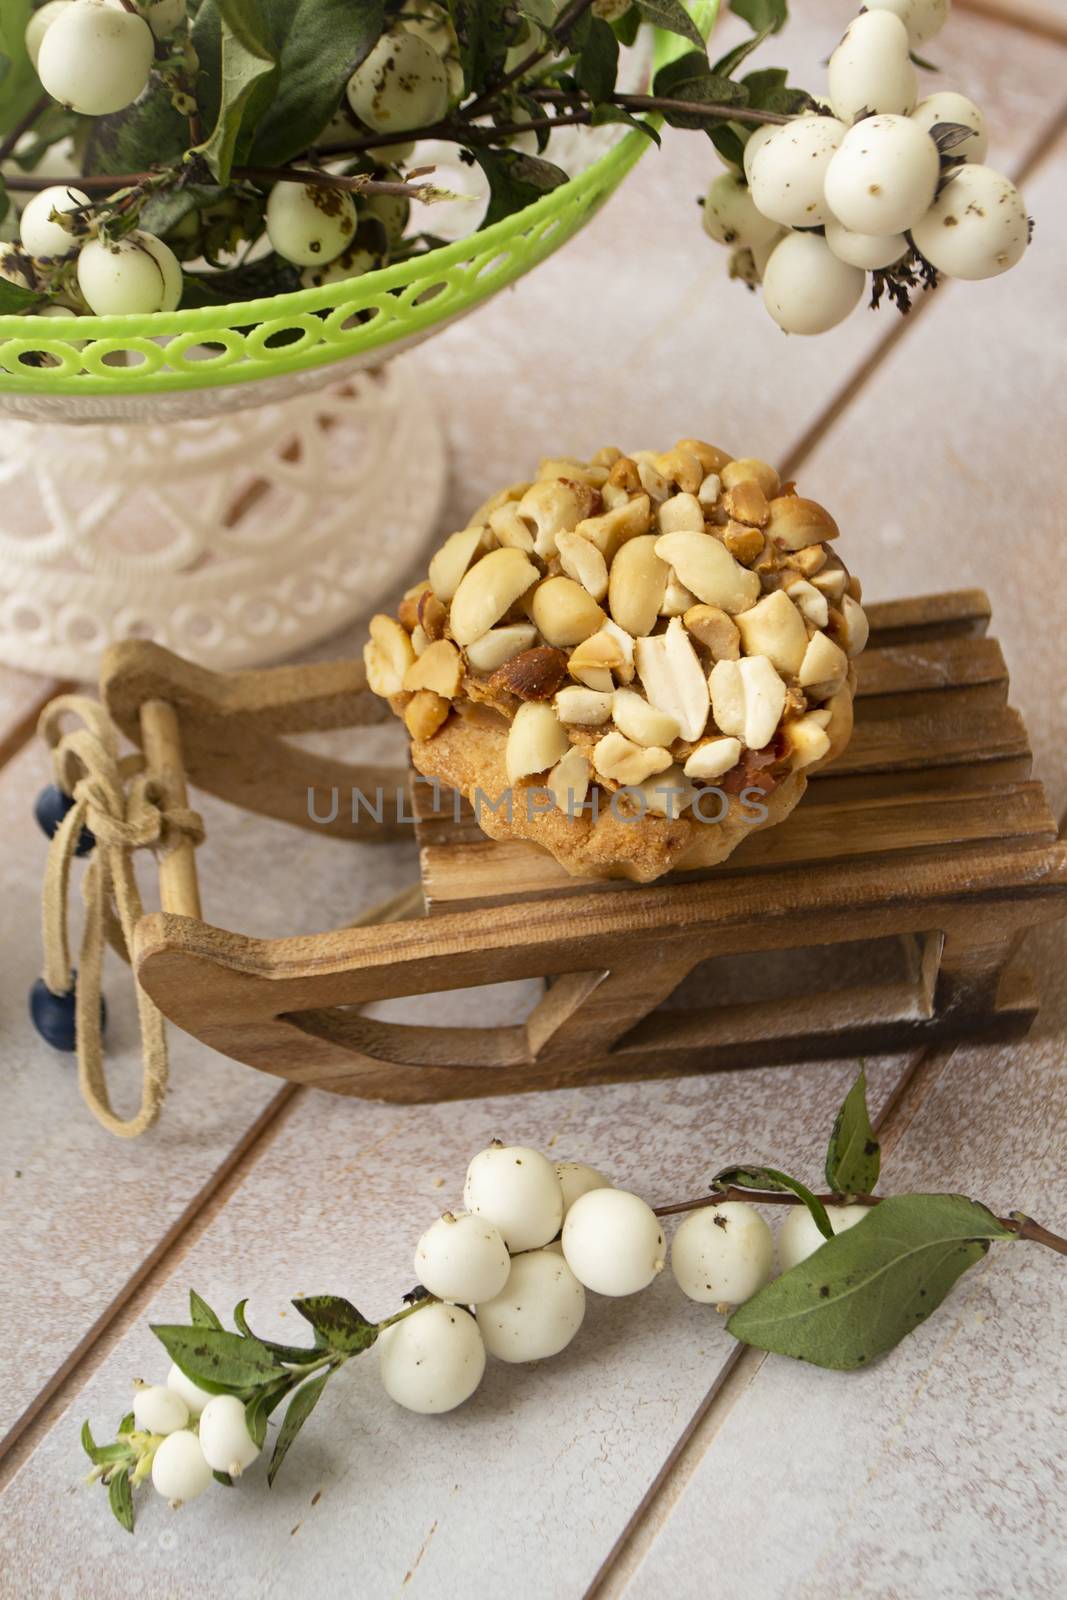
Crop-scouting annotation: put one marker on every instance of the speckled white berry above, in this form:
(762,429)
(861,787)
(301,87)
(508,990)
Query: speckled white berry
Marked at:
(433,1360)
(730,215)
(40,236)
(977,227)
(948,106)
(137,274)
(871,68)
(309,225)
(806,289)
(576,1179)
(799,1236)
(95,59)
(462,1259)
(402,84)
(789,169)
(612,1242)
(517,1190)
(538,1313)
(866,250)
(722,1254)
(884,176)
(922,18)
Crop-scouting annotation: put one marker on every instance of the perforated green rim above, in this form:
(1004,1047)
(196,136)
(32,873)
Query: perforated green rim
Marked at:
(351,318)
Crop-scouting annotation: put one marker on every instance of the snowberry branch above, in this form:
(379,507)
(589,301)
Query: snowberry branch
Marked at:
(92,183)
(560,30)
(1022,1226)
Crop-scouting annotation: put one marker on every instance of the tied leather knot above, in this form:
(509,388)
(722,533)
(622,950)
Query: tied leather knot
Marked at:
(125,810)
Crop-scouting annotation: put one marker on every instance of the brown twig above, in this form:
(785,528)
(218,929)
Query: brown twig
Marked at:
(1022,1226)
(95,183)
(23,125)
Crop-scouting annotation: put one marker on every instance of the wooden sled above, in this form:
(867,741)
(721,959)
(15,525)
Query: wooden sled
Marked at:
(927,842)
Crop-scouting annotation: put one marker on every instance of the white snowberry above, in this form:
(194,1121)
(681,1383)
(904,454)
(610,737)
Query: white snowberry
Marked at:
(518,1191)
(806,288)
(948,106)
(922,18)
(402,84)
(538,1313)
(977,227)
(180,1470)
(195,1397)
(95,59)
(157,1409)
(462,1259)
(577,1179)
(224,1437)
(867,250)
(722,1254)
(137,274)
(41,236)
(391,210)
(754,143)
(351,263)
(309,224)
(884,176)
(40,22)
(612,1242)
(165,17)
(871,68)
(433,1360)
(789,168)
(730,215)
(799,1236)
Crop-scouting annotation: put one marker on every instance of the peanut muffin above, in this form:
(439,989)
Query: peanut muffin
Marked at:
(632,661)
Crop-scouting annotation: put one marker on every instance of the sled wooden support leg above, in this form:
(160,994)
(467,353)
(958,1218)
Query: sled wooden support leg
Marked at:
(885,913)
(161,739)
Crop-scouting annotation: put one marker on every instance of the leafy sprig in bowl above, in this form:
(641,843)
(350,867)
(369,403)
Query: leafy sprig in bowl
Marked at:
(213,357)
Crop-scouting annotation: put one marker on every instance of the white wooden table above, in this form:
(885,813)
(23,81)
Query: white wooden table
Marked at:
(653,1457)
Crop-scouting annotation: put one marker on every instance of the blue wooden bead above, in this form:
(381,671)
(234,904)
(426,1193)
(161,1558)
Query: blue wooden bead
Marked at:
(53,1015)
(50,807)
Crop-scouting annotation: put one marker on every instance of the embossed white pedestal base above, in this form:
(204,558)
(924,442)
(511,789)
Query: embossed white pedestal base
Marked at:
(234,539)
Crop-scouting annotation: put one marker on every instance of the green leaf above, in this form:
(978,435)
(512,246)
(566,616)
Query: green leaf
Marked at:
(863,1291)
(317,44)
(128,1424)
(515,181)
(148,133)
(120,1496)
(727,65)
(672,17)
(244,66)
(283,1352)
(771,1178)
(598,56)
(220,1362)
(610,113)
(338,1322)
(688,78)
(761,15)
(483,36)
(19,84)
(201,1313)
(14,298)
(628,26)
(88,1442)
(301,1406)
(854,1156)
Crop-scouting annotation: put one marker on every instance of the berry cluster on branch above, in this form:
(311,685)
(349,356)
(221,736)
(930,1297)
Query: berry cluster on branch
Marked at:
(507,1278)
(188,152)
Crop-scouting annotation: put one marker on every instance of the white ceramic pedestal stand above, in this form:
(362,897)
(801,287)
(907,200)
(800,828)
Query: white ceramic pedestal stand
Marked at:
(234,539)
